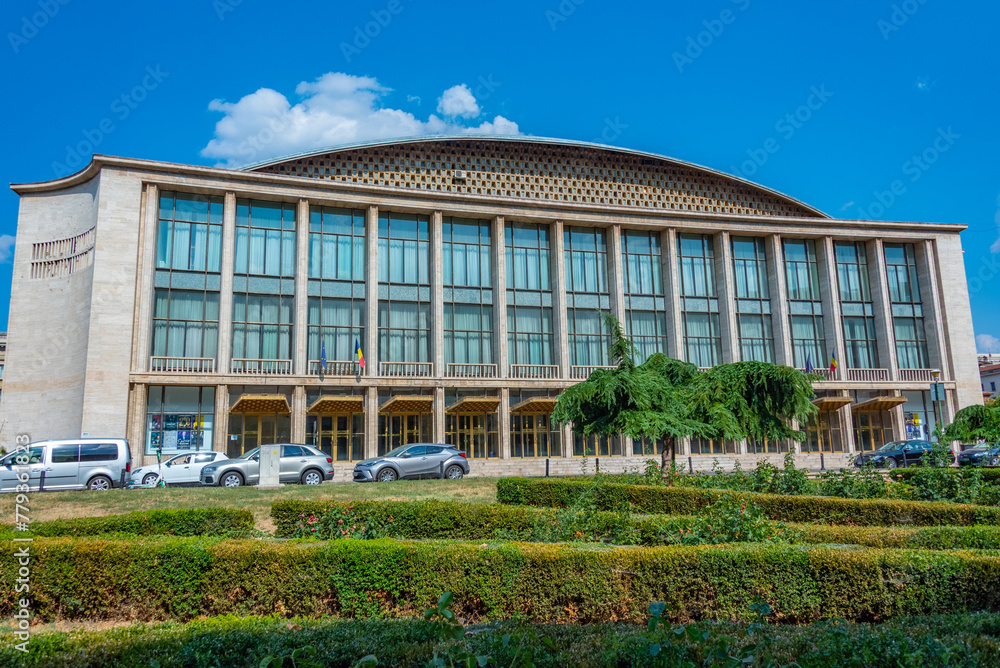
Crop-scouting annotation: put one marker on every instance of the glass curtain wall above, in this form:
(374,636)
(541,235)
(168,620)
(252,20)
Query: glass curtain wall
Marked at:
(907,306)
(857,312)
(529,294)
(753,300)
(586,257)
(805,305)
(699,300)
(645,303)
(404,308)
(468,293)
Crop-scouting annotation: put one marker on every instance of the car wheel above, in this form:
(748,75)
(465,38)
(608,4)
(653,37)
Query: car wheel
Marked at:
(890,463)
(386,475)
(100,483)
(454,472)
(312,477)
(149,478)
(231,480)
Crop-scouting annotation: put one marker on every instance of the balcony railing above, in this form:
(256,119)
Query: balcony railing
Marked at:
(826,373)
(406,369)
(471,370)
(868,375)
(343,369)
(916,376)
(534,371)
(262,367)
(585,371)
(181,364)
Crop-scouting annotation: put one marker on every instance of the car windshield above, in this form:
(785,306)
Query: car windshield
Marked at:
(981,446)
(895,445)
(397,452)
(249,455)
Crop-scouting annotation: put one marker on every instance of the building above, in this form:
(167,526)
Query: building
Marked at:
(989,376)
(191,307)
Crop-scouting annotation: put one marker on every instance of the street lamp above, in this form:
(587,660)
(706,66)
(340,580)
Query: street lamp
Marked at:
(936,398)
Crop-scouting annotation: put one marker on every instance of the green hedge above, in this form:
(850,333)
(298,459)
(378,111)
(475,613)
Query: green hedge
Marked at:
(182,578)
(677,500)
(958,641)
(180,522)
(990,475)
(924,538)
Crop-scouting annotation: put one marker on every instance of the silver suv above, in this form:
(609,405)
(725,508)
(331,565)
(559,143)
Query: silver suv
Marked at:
(299,463)
(89,463)
(418,460)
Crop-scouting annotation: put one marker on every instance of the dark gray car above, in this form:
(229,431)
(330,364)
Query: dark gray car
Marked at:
(299,463)
(417,460)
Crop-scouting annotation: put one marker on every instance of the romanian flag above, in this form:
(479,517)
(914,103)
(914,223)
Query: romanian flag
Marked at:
(833,362)
(357,350)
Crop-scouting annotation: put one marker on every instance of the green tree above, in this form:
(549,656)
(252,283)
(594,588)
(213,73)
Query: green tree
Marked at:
(974,424)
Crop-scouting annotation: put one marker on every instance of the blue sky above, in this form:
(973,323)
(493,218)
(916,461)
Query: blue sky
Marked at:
(901,92)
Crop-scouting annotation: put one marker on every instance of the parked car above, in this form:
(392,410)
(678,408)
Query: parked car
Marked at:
(418,460)
(182,469)
(87,463)
(299,463)
(895,454)
(981,454)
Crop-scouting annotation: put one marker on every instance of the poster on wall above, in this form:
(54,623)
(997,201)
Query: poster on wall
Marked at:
(170,440)
(184,422)
(156,422)
(184,440)
(156,439)
(170,421)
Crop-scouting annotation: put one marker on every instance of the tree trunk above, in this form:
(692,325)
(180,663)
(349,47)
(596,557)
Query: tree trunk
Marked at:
(669,446)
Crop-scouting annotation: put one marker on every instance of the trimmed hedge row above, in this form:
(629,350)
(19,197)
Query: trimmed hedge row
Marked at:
(676,500)
(179,522)
(990,475)
(183,578)
(959,641)
(416,520)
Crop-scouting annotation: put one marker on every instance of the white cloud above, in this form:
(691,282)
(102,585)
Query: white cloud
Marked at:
(334,109)
(987,343)
(458,101)
(6,248)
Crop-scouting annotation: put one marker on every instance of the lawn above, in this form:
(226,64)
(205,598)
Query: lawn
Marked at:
(46,506)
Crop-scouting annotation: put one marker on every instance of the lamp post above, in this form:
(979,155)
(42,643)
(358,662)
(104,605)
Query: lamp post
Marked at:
(936,398)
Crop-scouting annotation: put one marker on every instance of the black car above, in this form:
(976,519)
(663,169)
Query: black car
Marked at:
(895,454)
(982,454)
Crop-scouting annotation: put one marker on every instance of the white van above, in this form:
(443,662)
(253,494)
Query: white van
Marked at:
(82,463)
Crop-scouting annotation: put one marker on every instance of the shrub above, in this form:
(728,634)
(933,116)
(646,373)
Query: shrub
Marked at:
(929,538)
(865,482)
(221,522)
(991,476)
(681,501)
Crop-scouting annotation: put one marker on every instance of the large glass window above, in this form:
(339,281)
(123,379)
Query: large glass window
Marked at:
(190,232)
(404,331)
(529,335)
(529,294)
(856,305)
(179,419)
(699,300)
(336,243)
(805,305)
(588,338)
(262,326)
(586,292)
(466,251)
(468,334)
(534,435)
(468,307)
(586,259)
(404,308)
(907,307)
(336,324)
(265,238)
(403,249)
(645,306)
(527,256)
(648,331)
(185,323)
(753,300)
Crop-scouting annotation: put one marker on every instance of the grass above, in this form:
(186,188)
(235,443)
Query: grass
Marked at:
(47,506)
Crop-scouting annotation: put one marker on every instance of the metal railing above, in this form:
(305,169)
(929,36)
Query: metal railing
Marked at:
(456,370)
(528,371)
(182,364)
(826,373)
(341,368)
(868,375)
(585,371)
(406,369)
(262,367)
(916,376)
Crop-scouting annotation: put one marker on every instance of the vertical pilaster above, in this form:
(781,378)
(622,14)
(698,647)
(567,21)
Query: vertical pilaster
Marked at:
(371,302)
(616,279)
(499,279)
(882,307)
(299,414)
(727,297)
(559,316)
(826,258)
(136,432)
(930,296)
(846,425)
(144,300)
(439,421)
(371,422)
(567,441)
(504,423)
(672,290)
(779,303)
(220,433)
(437,305)
(300,359)
(226,289)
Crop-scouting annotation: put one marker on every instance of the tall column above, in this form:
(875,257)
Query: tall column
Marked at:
(846,425)
(779,304)
(567,441)
(136,431)
(672,289)
(300,358)
(439,415)
(371,298)
(299,414)
(499,280)
(220,427)
(371,422)
(437,301)
(504,423)
(226,289)
(616,279)
(826,258)
(147,268)
(559,300)
(931,301)
(727,297)
(882,307)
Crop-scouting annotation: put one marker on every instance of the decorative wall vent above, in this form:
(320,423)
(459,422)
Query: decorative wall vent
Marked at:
(63,257)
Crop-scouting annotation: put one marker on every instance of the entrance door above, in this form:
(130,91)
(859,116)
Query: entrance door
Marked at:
(253,430)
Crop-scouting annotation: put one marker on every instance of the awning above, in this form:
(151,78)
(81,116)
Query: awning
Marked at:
(878,404)
(831,403)
(408,404)
(535,405)
(475,405)
(261,403)
(333,403)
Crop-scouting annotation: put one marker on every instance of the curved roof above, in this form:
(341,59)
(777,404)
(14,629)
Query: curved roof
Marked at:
(504,165)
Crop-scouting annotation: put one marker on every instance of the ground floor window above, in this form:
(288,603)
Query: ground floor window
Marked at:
(592,445)
(179,419)
(475,434)
(396,429)
(918,416)
(823,433)
(534,435)
(340,435)
(710,446)
(647,447)
(252,430)
(768,446)
(872,430)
